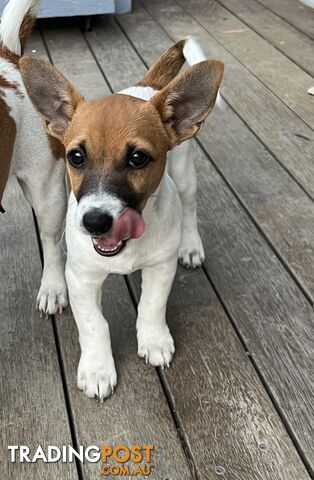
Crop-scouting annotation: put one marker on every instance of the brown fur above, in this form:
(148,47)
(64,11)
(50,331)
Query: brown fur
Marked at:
(107,127)
(165,68)
(5,84)
(56,147)
(7,55)
(26,29)
(7,137)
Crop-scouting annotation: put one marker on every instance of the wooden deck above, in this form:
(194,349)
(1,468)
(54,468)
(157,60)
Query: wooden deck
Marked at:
(238,400)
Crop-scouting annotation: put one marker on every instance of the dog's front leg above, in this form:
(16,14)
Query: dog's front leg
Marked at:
(155,342)
(96,374)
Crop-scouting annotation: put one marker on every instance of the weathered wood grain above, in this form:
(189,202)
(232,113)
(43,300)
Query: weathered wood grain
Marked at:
(284,134)
(220,404)
(77,68)
(289,312)
(137,413)
(33,410)
(285,79)
(270,312)
(294,12)
(290,41)
(107,45)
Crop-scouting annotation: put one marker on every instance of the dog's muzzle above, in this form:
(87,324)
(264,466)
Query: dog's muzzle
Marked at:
(110,235)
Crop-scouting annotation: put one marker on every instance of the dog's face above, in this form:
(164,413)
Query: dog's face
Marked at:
(116,149)
(116,146)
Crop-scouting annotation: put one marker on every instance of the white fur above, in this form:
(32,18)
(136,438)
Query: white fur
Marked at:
(167,232)
(11,21)
(42,180)
(155,253)
(145,93)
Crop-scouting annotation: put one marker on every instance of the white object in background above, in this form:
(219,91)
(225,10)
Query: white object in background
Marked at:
(70,8)
(308,3)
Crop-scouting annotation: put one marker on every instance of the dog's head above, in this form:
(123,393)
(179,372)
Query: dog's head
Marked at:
(116,146)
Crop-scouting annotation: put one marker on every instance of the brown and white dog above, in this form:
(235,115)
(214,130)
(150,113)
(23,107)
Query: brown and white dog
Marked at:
(128,210)
(27,152)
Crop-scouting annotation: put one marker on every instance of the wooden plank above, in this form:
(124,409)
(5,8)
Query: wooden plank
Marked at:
(33,410)
(137,413)
(212,376)
(293,43)
(277,127)
(288,311)
(270,312)
(285,79)
(104,41)
(277,204)
(294,12)
(78,72)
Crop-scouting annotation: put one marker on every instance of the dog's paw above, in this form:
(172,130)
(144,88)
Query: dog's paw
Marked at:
(96,377)
(52,297)
(191,252)
(155,346)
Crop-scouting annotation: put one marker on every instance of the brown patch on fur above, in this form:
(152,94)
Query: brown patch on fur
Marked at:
(4,83)
(7,55)
(26,29)
(56,147)
(7,138)
(108,128)
(165,68)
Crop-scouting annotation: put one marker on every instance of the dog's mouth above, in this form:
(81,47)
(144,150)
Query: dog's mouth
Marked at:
(130,224)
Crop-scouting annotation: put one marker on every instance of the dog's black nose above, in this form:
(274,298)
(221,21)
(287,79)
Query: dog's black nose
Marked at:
(97,221)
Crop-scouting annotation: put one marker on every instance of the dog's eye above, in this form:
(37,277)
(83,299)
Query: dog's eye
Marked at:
(138,159)
(76,158)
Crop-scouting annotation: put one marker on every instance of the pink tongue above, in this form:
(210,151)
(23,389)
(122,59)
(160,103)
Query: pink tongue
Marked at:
(130,224)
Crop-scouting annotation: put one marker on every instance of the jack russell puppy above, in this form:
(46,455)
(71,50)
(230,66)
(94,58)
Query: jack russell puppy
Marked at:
(30,154)
(127,209)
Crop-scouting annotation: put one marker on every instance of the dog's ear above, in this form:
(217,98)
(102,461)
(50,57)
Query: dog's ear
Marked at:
(166,67)
(51,93)
(185,103)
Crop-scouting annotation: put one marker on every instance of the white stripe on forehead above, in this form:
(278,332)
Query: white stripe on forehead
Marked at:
(145,93)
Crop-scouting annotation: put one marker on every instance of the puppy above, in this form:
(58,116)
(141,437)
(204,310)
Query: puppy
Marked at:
(126,210)
(28,153)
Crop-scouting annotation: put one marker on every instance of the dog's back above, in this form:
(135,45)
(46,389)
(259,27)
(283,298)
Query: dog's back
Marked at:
(16,24)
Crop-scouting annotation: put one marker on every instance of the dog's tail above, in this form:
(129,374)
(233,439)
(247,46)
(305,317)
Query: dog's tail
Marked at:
(193,54)
(192,51)
(16,24)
